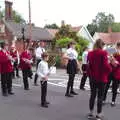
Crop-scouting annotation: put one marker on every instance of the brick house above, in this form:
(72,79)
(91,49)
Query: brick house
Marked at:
(11,31)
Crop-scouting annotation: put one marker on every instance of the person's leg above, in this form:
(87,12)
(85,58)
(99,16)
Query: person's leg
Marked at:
(43,93)
(115,85)
(101,87)
(72,84)
(107,86)
(4,84)
(69,85)
(25,79)
(92,97)
(36,76)
(9,83)
(83,80)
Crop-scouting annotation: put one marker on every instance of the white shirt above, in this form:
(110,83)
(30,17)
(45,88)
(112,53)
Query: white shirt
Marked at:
(39,52)
(43,69)
(84,57)
(72,53)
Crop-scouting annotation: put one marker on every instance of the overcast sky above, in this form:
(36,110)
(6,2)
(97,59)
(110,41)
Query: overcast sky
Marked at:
(74,12)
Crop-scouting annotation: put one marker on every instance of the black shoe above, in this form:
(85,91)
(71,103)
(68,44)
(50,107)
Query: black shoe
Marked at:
(11,93)
(44,105)
(82,89)
(90,116)
(35,84)
(98,117)
(113,104)
(47,102)
(68,95)
(26,89)
(5,94)
(73,93)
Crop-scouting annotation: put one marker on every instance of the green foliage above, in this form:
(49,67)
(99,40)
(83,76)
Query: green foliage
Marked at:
(101,23)
(65,31)
(17,17)
(52,26)
(58,61)
(115,27)
(81,44)
(63,42)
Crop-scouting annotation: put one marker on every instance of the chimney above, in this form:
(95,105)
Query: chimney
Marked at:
(8,10)
(109,29)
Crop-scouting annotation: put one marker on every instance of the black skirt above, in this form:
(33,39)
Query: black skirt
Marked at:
(72,67)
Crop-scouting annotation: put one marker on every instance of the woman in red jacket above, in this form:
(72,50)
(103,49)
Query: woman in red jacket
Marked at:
(98,71)
(6,70)
(114,76)
(25,65)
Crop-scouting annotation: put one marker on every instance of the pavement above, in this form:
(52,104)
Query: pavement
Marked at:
(25,105)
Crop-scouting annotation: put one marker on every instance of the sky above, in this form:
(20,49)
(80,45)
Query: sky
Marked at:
(74,12)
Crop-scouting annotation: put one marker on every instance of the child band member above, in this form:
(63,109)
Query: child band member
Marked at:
(71,55)
(43,73)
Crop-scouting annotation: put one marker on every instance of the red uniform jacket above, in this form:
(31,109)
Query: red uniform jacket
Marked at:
(14,54)
(116,70)
(5,63)
(24,65)
(99,68)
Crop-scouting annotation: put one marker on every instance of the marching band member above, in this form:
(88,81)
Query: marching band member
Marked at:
(38,53)
(114,76)
(43,72)
(98,72)
(26,65)
(6,70)
(14,53)
(71,55)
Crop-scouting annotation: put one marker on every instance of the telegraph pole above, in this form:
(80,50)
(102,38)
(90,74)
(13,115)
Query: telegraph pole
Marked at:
(30,26)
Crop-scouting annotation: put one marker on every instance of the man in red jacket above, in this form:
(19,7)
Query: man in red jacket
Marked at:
(98,71)
(25,65)
(6,70)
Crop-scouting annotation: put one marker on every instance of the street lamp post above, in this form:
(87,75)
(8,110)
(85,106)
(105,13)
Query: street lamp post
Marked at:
(23,34)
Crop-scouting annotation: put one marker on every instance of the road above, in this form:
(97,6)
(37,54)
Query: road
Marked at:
(25,105)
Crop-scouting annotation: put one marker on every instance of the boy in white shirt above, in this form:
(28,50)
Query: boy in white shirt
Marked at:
(43,72)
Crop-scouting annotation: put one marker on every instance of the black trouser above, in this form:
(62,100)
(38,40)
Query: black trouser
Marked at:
(84,77)
(26,74)
(43,92)
(70,83)
(6,82)
(16,70)
(97,88)
(36,76)
(115,85)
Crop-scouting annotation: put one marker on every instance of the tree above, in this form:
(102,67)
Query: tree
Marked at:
(65,35)
(17,17)
(63,42)
(101,23)
(52,26)
(115,27)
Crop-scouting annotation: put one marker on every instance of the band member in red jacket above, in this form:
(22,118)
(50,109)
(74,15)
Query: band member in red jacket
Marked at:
(14,53)
(98,71)
(25,65)
(114,76)
(6,70)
